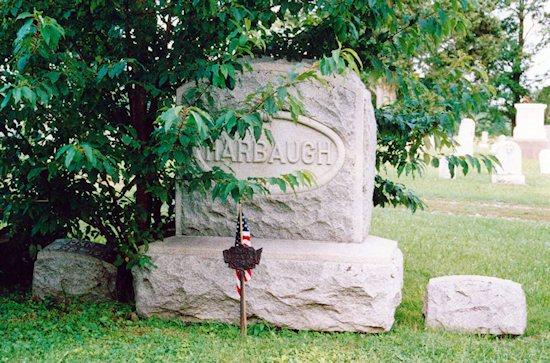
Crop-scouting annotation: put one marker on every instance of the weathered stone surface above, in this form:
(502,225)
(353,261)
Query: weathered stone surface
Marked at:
(335,139)
(476,304)
(508,154)
(308,285)
(75,268)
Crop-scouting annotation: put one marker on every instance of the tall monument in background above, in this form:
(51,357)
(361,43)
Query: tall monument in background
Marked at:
(530,133)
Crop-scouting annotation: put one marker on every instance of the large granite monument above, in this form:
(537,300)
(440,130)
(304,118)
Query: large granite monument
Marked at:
(320,268)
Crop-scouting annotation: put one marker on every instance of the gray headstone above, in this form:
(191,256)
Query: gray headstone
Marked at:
(476,304)
(335,139)
(75,268)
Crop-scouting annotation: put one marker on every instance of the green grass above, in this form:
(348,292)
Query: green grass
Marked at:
(448,239)
(476,187)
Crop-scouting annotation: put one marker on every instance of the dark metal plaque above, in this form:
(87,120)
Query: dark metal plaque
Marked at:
(242,258)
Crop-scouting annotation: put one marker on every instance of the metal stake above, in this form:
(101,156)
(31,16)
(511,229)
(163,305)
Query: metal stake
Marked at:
(243,307)
(241,273)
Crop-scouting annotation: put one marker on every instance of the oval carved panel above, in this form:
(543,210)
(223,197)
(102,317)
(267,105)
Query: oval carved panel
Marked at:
(305,145)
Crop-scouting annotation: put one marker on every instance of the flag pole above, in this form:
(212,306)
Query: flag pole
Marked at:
(241,276)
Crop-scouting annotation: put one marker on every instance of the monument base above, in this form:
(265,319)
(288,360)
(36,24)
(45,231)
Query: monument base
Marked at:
(530,149)
(308,285)
(518,179)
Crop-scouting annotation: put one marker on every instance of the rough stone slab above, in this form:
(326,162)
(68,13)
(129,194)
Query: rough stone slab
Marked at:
(476,304)
(308,285)
(75,268)
(340,208)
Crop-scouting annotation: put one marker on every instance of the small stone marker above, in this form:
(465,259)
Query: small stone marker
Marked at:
(75,268)
(465,138)
(443,170)
(484,143)
(544,161)
(509,155)
(475,304)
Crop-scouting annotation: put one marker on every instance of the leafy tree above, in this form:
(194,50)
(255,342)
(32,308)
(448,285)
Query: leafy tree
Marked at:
(92,143)
(543,96)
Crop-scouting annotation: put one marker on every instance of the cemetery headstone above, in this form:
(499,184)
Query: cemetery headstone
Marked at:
(75,268)
(530,133)
(320,269)
(443,170)
(508,154)
(465,138)
(475,304)
(544,161)
(484,143)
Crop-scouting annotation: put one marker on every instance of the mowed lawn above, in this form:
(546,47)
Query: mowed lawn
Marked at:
(470,227)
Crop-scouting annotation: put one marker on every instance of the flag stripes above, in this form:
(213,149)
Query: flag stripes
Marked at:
(245,242)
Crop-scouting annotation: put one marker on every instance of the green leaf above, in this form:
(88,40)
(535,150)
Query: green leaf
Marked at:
(69,156)
(89,152)
(170,116)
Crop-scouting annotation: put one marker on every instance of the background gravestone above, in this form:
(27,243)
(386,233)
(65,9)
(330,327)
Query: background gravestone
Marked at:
(484,143)
(544,161)
(530,133)
(320,269)
(465,138)
(75,268)
(475,304)
(508,154)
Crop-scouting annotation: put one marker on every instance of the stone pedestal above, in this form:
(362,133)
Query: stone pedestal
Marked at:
(308,285)
(530,121)
(530,133)
(530,149)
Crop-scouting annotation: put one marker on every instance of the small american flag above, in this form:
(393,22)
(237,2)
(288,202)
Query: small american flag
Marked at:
(247,243)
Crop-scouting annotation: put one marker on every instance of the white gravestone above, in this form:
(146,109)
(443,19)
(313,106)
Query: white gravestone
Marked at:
(465,138)
(443,170)
(320,269)
(530,121)
(484,143)
(475,304)
(509,155)
(544,161)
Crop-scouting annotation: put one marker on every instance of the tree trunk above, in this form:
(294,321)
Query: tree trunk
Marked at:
(144,128)
(517,68)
